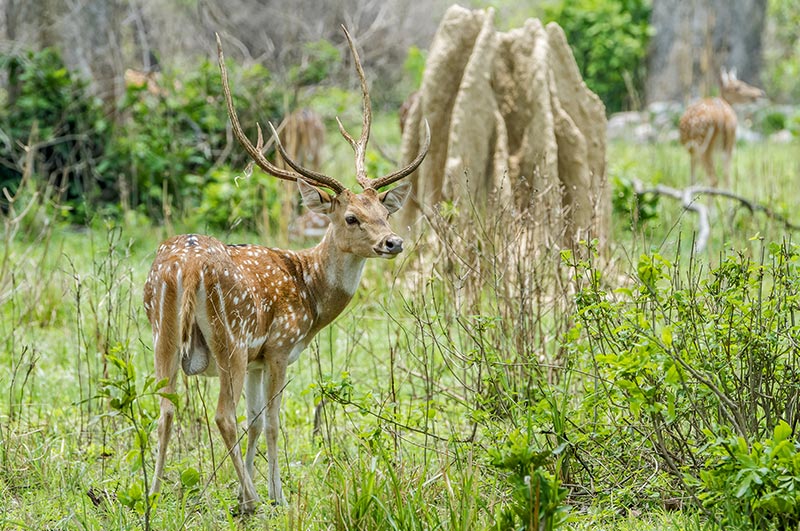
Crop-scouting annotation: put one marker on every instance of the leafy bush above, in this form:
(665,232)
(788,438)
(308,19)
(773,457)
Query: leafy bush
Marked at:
(165,141)
(125,400)
(229,199)
(52,112)
(771,120)
(754,486)
(537,497)
(794,124)
(318,57)
(170,141)
(774,121)
(777,118)
(627,204)
(782,52)
(414,66)
(694,357)
(609,40)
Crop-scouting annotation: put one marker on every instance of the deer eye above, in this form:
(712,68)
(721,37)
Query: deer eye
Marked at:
(350,219)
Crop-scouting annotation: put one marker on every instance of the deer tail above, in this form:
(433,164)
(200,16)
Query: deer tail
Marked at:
(188,303)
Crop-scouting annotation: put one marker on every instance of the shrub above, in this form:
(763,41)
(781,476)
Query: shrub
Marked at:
(53,113)
(537,497)
(771,120)
(782,51)
(692,357)
(164,142)
(170,142)
(794,124)
(318,57)
(228,199)
(627,204)
(609,40)
(414,66)
(754,486)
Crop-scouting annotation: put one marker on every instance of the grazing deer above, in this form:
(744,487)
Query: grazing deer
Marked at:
(710,124)
(245,312)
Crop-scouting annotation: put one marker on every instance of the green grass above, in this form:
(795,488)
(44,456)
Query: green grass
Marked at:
(765,173)
(424,380)
(62,444)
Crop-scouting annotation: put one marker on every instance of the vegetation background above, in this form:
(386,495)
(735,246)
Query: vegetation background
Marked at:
(649,388)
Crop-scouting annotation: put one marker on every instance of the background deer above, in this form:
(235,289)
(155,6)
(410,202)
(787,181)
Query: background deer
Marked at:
(245,312)
(710,124)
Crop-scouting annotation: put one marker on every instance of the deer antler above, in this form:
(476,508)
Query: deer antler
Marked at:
(255,153)
(360,147)
(386,180)
(308,175)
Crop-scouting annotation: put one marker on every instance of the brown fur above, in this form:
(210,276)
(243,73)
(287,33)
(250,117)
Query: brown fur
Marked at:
(245,312)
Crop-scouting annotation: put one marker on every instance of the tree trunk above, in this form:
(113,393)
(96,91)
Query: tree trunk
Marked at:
(101,49)
(13,66)
(695,38)
(47,35)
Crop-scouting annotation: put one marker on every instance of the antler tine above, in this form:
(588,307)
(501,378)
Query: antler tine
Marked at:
(360,147)
(386,180)
(306,174)
(255,152)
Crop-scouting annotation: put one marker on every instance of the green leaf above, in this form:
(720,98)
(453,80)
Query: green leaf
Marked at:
(666,335)
(744,487)
(190,477)
(782,432)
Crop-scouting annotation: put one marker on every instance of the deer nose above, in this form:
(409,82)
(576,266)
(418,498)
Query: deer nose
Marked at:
(393,244)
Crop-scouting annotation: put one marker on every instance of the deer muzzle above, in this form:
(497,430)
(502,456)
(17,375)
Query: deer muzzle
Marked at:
(391,246)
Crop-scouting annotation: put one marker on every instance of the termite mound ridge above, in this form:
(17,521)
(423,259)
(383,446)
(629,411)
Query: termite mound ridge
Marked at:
(512,123)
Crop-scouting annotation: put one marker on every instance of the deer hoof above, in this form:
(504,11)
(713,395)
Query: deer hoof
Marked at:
(281,502)
(244,509)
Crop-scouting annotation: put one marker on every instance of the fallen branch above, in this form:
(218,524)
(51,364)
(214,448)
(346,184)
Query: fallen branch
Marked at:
(688,198)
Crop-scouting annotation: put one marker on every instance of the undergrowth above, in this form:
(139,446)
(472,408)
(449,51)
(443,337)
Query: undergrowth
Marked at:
(470,385)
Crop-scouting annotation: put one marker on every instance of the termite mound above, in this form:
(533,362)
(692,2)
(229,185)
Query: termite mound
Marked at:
(512,124)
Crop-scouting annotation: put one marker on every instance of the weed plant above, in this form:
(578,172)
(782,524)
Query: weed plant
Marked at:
(471,384)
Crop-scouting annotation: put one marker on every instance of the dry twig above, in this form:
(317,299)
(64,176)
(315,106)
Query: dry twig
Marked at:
(688,198)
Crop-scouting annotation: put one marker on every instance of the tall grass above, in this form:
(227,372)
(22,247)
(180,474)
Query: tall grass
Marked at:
(458,391)
(765,173)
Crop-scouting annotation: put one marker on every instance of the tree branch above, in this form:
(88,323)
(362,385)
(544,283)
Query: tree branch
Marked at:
(688,198)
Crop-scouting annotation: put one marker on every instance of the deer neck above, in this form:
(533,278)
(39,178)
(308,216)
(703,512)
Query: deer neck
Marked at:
(332,276)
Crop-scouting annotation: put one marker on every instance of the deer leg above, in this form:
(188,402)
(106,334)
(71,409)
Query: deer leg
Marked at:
(693,167)
(256,415)
(708,164)
(231,380)
(726,168)
(165,343)
(273,390)
(727,156)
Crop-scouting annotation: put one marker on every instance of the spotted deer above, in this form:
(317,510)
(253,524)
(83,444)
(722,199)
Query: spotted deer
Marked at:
(245,312)
(709,125)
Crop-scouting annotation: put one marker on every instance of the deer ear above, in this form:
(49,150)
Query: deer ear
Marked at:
(315,199)
(395,198)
